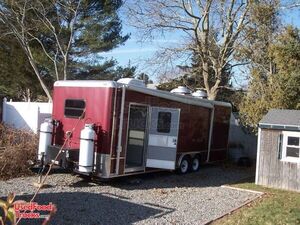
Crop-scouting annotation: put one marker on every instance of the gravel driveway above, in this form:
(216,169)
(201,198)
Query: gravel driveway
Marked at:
(158,198)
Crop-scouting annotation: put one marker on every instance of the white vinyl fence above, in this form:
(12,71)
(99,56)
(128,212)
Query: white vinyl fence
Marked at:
(25,115)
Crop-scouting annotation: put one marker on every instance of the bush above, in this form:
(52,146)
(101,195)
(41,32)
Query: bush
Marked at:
(16,148)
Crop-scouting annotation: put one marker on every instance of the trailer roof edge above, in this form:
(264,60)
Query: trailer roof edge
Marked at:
(158,93)
(85,83)
(180,98)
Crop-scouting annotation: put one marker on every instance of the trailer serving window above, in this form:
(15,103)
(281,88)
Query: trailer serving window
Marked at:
(74,108)
(164,122)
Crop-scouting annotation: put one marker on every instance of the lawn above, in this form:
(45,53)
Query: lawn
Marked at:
(275,207)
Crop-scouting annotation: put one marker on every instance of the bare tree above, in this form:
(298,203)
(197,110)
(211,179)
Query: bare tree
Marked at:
(210,29)
(47,24)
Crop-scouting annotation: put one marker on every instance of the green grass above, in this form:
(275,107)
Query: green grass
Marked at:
(275,207)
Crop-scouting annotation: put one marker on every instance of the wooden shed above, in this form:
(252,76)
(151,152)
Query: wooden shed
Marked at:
(278,150)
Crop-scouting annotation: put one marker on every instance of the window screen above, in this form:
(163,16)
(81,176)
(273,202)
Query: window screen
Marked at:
(293,141)
(164,122)
(292,152)
(74,108)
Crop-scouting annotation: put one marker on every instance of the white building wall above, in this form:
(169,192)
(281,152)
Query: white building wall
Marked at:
(25,115)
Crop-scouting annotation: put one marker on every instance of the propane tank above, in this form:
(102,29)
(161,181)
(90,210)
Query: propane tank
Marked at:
(86,151)
(45,139)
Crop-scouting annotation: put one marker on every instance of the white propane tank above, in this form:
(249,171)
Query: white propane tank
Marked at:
(86,151)
(45,139)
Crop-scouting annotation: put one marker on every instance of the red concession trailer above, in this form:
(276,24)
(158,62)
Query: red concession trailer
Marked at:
(121,128)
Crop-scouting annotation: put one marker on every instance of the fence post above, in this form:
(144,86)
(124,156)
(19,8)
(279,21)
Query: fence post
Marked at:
(37,120)
(4,110)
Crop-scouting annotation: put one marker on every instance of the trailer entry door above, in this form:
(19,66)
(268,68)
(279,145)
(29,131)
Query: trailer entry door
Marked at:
(137,125)
(163,134)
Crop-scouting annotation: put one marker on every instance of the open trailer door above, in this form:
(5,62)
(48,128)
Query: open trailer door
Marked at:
(163,135)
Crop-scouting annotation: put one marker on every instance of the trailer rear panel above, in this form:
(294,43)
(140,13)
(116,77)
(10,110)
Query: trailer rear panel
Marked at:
(98,105)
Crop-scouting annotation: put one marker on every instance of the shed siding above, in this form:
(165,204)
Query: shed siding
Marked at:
(272,171)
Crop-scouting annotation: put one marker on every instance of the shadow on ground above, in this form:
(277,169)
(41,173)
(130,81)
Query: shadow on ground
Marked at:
(213,175)
(77,206)
(97,208)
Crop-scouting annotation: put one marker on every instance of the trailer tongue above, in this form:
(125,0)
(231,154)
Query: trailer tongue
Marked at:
(109,129)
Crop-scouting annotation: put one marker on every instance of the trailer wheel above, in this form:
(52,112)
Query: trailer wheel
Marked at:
(184,166)
(195,164)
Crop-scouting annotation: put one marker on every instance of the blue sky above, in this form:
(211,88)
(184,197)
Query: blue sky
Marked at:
(135,53)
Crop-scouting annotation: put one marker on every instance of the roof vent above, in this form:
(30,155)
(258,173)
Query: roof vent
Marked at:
(132,82)
(181,91)
(200,94)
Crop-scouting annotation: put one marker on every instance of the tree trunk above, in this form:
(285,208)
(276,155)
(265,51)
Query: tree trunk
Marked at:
(215,89)
(205,76)
(45,89)
(36,71)
(213,94)
(65,66)
(205,59)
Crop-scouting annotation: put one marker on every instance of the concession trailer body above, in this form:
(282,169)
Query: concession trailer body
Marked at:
(110,129)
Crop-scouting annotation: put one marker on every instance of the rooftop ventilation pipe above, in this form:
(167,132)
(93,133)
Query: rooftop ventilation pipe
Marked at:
(181,91)
(200,94)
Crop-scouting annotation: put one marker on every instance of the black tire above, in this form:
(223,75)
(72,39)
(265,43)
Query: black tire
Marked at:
(185,165)
(195,164)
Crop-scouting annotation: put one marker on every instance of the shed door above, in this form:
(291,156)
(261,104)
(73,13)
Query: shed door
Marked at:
(163,135)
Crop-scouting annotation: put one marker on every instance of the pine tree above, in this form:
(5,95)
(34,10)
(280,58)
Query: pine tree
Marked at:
(281,89)
(98,30)
(144,77)
(63,39)
(17,80)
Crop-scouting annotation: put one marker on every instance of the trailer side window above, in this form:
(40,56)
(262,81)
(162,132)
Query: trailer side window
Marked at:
(74,108)
(164,122)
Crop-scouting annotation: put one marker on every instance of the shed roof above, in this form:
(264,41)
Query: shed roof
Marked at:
(281,119)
